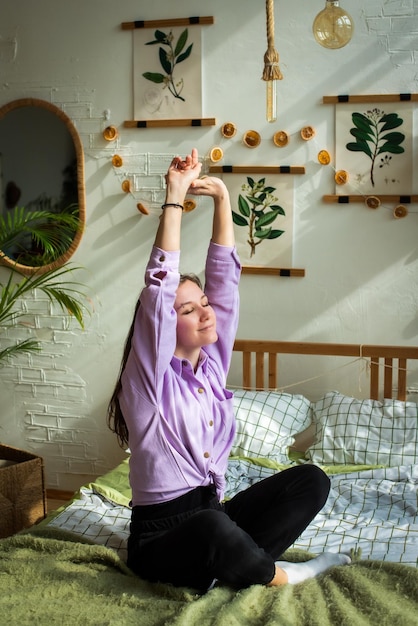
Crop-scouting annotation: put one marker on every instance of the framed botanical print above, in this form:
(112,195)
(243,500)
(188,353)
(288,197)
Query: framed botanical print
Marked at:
(262,210)
(374,146)
(167,73)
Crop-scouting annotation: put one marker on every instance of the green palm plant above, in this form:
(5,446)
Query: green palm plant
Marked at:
(52,233)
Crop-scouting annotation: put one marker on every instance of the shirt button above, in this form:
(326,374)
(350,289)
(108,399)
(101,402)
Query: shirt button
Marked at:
(211,423)
(206,455)
(201,390)
(162,258)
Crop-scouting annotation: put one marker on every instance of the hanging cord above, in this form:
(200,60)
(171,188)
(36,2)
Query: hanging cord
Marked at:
(364,369)
(271,57)
(361,359)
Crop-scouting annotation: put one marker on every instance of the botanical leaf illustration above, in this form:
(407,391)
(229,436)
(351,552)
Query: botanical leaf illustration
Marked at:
(371,137)
(169,57)
(257,210)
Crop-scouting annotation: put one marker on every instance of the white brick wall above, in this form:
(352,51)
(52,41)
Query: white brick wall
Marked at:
(51,399)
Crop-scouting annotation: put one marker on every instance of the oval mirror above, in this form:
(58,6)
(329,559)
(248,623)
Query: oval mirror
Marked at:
(41,168)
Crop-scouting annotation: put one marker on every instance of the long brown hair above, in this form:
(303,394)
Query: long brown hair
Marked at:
(115,419)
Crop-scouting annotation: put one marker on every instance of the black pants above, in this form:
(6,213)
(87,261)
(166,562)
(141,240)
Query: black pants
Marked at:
(193,539)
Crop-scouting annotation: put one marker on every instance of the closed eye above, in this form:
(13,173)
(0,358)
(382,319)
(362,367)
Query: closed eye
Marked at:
(187,308)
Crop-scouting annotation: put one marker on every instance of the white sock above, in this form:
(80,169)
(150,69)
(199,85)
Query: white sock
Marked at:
(298,572)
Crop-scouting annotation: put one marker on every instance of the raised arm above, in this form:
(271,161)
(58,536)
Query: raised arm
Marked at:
(223,228)
(181,174)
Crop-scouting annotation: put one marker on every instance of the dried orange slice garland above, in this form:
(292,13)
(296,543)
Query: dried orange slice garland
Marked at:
(400,211)
(372,202)
(117,161)
(324,157)
(252,139)
(110,133)
(189,205)
(228,130)
(341,177)
(307,133)
(281,139)
(216,154)
(142,209)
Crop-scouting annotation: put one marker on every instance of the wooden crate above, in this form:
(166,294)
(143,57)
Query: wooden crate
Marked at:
(22,490)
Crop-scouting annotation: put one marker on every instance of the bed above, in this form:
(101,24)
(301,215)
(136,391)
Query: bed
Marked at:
(71,568)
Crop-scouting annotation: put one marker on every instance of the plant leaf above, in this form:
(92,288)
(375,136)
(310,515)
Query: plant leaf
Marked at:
(185,54)
(279,209)
(393,138)
(391,120)
(256,201)
(181,42)
(391,148)
(154,77)
(243,206)
(362,122)
(160,38)
(265,219)
(54,232)
(53,283)
(359,147)
(362,134)
(238,219)
(275,234)
(262,233)
(165,61)
(26,345)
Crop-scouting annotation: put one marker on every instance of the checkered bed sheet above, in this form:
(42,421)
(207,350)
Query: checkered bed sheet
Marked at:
(372,510)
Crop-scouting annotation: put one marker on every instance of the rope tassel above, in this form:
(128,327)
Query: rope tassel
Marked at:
(271,57)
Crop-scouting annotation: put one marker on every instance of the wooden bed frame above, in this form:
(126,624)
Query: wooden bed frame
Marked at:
(263,357)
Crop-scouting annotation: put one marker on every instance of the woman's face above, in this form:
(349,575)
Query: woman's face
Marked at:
(196,320)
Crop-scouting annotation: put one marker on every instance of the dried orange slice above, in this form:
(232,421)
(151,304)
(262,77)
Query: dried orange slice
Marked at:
(324,157)
(372,202)
(400,211)
(252,139)
(189,205)
(126,186)
(228,130)
(117,161)
(281,139)
(216,154)
(307,132)
(341,177)
(142,209)
(110,133)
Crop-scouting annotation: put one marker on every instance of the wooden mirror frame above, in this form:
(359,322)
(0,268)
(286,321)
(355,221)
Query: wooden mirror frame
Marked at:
(78,147)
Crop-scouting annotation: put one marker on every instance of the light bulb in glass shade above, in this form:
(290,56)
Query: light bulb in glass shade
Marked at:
(333,27)
(271,101)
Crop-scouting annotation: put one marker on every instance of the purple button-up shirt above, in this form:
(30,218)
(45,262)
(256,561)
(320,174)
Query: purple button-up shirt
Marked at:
(181,423)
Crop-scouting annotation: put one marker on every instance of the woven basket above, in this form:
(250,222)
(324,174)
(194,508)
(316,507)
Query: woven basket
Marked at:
(22,490)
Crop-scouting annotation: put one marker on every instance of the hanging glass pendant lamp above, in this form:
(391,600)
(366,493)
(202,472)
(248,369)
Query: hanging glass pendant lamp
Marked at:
(333,27)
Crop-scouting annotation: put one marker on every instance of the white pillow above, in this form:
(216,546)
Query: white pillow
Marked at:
(364,432)
(267,422)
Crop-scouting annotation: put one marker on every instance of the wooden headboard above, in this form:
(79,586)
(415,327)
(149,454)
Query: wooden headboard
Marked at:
(389,363)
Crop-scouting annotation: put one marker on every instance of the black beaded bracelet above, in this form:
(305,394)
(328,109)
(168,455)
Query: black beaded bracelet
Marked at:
(176,204)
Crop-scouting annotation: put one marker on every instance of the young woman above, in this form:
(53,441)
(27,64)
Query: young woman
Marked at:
(171,407)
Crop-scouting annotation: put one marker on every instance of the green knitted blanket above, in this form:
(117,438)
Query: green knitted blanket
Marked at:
(46,581)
